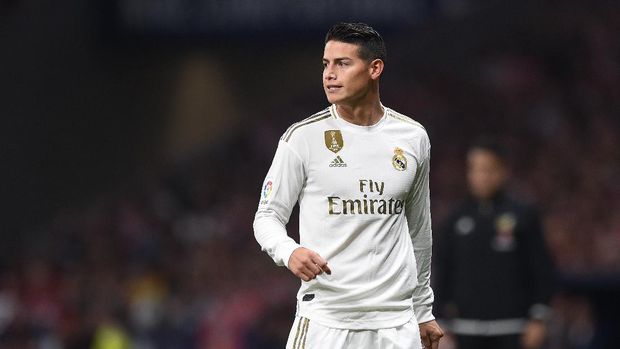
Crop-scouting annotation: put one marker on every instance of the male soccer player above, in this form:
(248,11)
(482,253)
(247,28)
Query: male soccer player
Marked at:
(494,277)
(360,173)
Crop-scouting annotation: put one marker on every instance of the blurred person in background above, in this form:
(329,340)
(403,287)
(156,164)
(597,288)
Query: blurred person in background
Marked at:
(360,173)
(494,275)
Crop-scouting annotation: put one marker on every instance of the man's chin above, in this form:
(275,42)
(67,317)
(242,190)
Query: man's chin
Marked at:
(333,99)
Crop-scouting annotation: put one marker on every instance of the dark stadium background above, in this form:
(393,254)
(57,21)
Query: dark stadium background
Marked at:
(135,136)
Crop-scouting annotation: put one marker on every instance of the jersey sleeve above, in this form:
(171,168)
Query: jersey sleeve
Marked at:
(279,195)
(419,220)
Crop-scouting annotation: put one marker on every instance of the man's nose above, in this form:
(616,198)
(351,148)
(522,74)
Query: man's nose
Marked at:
(329,74)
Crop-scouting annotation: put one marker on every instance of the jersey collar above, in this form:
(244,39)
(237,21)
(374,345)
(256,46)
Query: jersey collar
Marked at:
(344,124)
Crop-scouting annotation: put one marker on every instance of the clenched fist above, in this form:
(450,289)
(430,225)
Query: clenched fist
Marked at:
(430,333)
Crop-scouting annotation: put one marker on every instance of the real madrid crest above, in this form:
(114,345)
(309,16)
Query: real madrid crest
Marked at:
(333,140)
(399,161)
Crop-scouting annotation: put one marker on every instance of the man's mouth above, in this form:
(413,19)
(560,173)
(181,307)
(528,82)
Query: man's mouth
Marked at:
(333,88)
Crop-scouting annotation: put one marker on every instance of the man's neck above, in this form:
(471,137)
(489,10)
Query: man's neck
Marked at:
(366,114)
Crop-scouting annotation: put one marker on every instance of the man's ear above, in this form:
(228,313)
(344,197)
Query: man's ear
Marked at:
(376,68)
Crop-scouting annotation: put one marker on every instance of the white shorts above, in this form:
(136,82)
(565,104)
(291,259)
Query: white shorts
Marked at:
(306,334)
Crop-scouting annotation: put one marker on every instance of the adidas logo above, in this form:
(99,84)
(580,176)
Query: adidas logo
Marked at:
(338,162)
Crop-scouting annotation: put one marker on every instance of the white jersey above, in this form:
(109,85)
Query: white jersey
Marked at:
(364,203)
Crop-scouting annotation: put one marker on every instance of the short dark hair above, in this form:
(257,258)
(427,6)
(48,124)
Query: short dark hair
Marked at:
(369,41)
(492,145)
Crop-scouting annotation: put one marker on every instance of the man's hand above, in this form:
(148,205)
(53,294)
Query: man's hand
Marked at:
(307,264)
(430,333)
(534,334)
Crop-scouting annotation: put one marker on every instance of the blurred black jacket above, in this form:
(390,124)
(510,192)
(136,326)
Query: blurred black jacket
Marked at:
(493,270)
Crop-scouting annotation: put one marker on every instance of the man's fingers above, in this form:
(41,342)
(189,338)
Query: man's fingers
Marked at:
(434,338)
(313,268)
(426,341)
(310,271)
(305,272)
(430,333)
(325,268)
(321,263)
(306,276)
(434,341)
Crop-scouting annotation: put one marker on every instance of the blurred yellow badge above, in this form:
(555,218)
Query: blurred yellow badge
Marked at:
(505,224)
(504,240)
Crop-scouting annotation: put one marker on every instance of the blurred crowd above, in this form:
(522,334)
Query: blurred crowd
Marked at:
(169,259)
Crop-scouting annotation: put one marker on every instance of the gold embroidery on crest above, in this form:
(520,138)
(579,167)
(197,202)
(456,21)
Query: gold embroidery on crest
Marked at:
(399,161)
(333,140)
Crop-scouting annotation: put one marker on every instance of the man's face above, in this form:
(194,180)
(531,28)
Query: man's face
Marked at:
(486,174)
(346,76)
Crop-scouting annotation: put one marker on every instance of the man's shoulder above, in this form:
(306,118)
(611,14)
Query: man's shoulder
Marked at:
(299,127)
(405,121)
(410,130)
